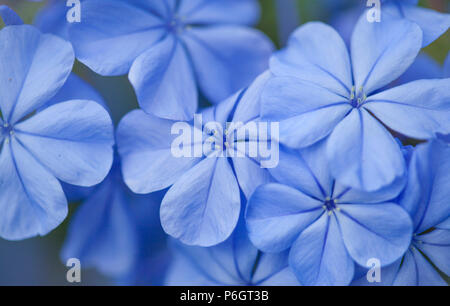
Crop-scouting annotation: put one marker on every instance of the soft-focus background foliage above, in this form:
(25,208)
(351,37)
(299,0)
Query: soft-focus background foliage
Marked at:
(36,261)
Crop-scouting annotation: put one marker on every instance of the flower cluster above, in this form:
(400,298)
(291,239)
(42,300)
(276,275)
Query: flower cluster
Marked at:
(348,188)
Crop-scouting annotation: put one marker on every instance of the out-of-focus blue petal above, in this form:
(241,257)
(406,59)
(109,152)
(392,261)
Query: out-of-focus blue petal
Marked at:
(164,82)
(76,193)
(363,153)
(447,66)
(444,225)
(9,16)
(319,257)
(273,227)
(113,34)
(274,270)
(25,57)
(366,236)
(432,23)
(102,233)
(52,19)
(417,109)
(424,67)
(417,271)
(376,60)
(202,207)
(73,140)
(344,22)
(245,12)
(307,112)
(31,199)
(436,246)
(76,89)
(226,58)
(316,53)
(144,144)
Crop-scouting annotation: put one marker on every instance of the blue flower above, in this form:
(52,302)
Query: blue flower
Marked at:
(432,23)
(114,230)
(426,199)
(69,141)
(202,206)
(52,18)
(173,48)
(327,227)
(320,92)
(235,262)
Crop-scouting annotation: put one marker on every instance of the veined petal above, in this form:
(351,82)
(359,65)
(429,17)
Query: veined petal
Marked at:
(73,140)
(164,82)
(245,12)
(227,58)
(436,246)
(366,235)
(107,27)
(202,207)
(382,51)
(417,109)
(277,214)
(363,153)
(144,144)
(316,53)
(32,200)
(318,257)
(25,56)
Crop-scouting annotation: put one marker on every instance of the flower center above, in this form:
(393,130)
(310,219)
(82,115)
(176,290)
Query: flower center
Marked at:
(6,131)
(357,98)
(330,205)
(176,25)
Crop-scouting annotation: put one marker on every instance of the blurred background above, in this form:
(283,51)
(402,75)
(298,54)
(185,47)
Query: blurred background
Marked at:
(37,261)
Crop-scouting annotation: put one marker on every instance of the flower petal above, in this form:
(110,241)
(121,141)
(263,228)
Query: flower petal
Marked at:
(366,235)
(418,109)
(9,16)
(316,53)
(227,58)
(382,51)
(276,215)
(32,200)
(319,257)
(25,56)
(144,144)
(202,207)
(106,28)
(73,140)
(436,245)
(164,81)
(307,112)
(363,153)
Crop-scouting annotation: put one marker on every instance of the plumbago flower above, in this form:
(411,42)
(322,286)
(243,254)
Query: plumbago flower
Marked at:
(173,47)
(426,199)
(203,203)
(327,227)
(319,92)
(433,24)
(235,262)
(70,141)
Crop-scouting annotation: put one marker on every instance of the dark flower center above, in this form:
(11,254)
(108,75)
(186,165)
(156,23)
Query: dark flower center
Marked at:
(330,205)
(6,130)
(176,25)
(357,98)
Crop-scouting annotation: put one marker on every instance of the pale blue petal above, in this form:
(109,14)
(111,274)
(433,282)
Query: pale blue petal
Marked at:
(274,270)
(9,16)
(25,56)
(164,81)
(417,109)
(382,51)
(32,200)
(316,53)
(202,207)
(144,143)
(307,112)
(319,257)
(74,140)
(436,246)
(276,215)
(245,12)
(424,67)
(366,235)
(113,34)
(363,153)
(227,58)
